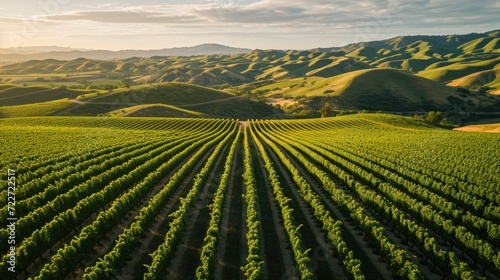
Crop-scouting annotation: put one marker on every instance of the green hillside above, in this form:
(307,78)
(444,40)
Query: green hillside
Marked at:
(405,73)
(156,110)
(372,89)
(488,78)
(35,109)
(189,100)
(459,69)
(161,100)
(19,95)
(173,93)
(440,58)
(486,44)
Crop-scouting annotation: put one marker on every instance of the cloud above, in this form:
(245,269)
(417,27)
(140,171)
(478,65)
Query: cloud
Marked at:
(293,12)
(294,21)
(10,20)
(121,16)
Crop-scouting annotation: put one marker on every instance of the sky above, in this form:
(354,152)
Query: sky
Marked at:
(263,24)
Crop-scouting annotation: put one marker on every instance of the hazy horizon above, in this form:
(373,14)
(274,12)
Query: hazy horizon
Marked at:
(252,24)
(216,43)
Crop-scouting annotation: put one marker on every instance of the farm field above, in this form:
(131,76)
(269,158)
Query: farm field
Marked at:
(365,196)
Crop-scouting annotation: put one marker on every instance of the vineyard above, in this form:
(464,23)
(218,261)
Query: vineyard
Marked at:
(368,196)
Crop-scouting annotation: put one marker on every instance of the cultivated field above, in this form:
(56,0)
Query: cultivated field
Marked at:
(367,196)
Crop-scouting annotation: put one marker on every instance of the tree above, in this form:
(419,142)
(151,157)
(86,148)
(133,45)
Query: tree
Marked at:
(325,111)
(434,117)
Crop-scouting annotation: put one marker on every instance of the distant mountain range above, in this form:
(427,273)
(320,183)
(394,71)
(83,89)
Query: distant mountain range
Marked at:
(61,53)
(37,49)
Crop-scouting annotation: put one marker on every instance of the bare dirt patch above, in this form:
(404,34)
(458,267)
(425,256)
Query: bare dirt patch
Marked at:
(280,101)
(493,128)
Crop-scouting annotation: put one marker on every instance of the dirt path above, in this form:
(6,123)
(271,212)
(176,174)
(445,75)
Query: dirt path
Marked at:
(429,270)
(136,109)
(372,265)
(108,240)
(323,263)
(187,254)
(231,251)
(280,101)
(276,249)
(361,244)
(134,268)
(35,268)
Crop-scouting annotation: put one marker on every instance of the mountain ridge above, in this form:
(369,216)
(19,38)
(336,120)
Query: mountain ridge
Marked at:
(19,54)
(61,53)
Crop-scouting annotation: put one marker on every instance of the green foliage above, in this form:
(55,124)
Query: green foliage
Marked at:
(434,117)
(325,111)
(207,267)
(253,268)
(301,255)
(173,100)
(418,194)
(36,109)
(27,95)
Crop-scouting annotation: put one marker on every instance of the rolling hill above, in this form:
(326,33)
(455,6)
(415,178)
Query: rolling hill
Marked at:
(202,70)
(376,89)
(183,100)
(487,78)
(160,100)
(459,69)
(405,73)
(35,109)
(17,95)
(157,110)
(440,58)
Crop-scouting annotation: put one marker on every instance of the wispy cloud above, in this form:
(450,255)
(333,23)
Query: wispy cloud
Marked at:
(284,22)
(10,20)
(288,12)
(122,16)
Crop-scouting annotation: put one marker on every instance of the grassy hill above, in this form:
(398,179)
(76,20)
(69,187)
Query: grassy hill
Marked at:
(156,110)
(161,100)
(358,76)
(458,69)
(35,109)
(182,100)
(373,89)
(440,58)
(18,95)
(201,70)
(487,78)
